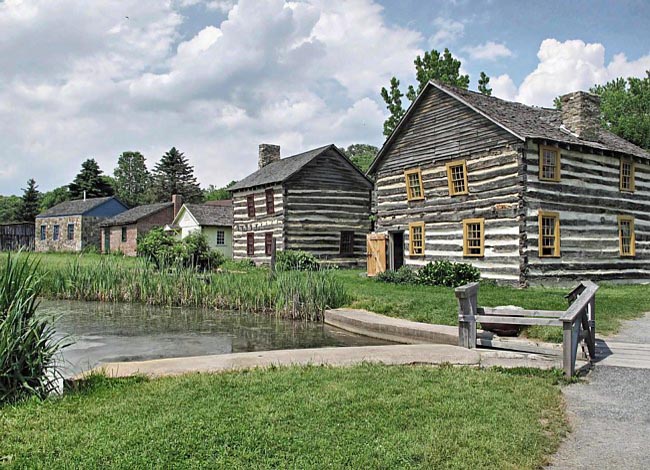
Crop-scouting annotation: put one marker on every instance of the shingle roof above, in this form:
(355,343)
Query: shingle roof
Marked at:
(280,170)
(211,215)
(133,215)
(538,123)
(77,207)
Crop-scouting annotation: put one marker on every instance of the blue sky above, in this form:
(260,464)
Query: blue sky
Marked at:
(217,77)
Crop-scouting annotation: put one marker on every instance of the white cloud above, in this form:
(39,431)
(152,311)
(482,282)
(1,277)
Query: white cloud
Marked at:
(87,82)
(447,33)
(503,87)
(574,65)
(489,51)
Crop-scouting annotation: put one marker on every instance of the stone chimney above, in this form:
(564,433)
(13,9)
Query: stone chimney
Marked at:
(581,114)
(268,154)
(177,200)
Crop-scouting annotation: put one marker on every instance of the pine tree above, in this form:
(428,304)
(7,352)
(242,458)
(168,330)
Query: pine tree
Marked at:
(484,84)
(31,199)
(174,175)
(132,179)
(91,180)
(393,99)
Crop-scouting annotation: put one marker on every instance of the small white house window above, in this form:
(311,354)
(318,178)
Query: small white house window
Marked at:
(221,237)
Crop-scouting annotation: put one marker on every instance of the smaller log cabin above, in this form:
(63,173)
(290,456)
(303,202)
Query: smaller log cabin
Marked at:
(528,195)
(317,201)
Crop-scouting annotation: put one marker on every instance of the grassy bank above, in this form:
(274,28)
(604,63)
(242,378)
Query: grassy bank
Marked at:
(314,417)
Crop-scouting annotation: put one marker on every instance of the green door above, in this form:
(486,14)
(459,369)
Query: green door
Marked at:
(107,240)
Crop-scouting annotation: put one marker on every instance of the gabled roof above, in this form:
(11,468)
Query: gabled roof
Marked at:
(208,215)
(520,120)
(133,215)
(76,207)
(283,169)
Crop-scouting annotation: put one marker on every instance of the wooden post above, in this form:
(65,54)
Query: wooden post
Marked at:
(273,249)
(467,296)
(567,348)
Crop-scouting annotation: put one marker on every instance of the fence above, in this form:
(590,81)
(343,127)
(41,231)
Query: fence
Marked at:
(16,236)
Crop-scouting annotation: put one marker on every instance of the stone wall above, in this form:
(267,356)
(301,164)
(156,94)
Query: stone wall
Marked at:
(62,244)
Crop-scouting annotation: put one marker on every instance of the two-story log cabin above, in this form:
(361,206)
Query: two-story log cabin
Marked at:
(526,194)
(317,201)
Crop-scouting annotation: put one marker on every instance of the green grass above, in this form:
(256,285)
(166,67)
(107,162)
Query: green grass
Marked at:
(367,416)
(614,302)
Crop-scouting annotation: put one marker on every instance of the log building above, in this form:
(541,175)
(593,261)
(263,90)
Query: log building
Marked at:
(317,201)
(528,195)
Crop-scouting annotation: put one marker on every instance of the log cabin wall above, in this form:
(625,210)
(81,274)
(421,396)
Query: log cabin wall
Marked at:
(588,200)
(443,130)
(259,225)
(327,197)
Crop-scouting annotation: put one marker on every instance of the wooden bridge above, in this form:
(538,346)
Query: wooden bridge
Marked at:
(578,323)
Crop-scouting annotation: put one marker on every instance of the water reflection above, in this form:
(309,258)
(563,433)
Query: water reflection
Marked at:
(105,332)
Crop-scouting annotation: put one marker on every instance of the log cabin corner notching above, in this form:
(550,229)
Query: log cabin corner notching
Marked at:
(526,194)
(316,201)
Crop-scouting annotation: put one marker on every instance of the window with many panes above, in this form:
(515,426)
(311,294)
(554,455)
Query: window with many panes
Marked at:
(457,178)
(250,205)
(55,233)
(416,239)
(124,235)
(270,202)
(43,231)
(414,187)
(549,234)
(250,244)
(268,243)
(70,231)
(626,239)
(473,237)
(221,237)
(627,175)
(346,246)
(549,163)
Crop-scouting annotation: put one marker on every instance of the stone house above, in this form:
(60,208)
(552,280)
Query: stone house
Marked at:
(74,225)
(528,195)
(213,219)
(121,233)
(317,201)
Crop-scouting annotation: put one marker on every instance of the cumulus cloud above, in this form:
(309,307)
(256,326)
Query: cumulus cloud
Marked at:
(88,82)
(488,51)
(503,87)
(448,31)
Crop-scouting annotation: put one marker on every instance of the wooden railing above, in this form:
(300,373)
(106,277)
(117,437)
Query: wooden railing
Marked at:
(578,322)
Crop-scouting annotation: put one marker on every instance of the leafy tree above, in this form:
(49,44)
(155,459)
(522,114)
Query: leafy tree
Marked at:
(174,175)
(433,65)
(484,84)
(54,197)
(91,180)
(132,179)
(213,193)
(361,155)
(10,209)
(625,108)
(31,200)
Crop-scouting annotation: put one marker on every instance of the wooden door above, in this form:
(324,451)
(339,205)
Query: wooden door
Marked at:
(376,243)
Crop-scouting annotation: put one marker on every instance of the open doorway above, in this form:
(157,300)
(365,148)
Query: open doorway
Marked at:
(396,250)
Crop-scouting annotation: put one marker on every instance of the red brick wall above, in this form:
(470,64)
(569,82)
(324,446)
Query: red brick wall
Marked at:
(129,248)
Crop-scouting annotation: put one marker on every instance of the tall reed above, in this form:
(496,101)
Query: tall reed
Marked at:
(298,295)
(27,344)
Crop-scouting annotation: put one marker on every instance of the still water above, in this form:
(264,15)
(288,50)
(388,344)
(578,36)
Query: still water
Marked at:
(106,332)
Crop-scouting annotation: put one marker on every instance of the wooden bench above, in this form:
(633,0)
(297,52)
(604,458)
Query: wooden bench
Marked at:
(578,322)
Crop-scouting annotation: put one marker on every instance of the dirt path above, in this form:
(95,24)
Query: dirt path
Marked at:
(610,410)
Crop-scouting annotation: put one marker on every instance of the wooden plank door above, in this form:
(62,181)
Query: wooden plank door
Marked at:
(376,243)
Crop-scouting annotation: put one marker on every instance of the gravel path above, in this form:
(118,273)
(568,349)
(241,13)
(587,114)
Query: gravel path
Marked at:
(610,413)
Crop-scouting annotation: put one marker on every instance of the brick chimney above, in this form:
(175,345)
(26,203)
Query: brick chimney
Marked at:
(268,154)
(581,114)
(177,200)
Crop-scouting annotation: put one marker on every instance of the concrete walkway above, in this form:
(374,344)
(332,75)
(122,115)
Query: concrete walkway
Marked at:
(609,411)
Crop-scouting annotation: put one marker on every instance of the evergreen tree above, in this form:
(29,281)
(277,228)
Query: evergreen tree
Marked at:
(393,99)
(484,84)
(30,204)
(174,175)
(91,180)
(132,179)
(54,197)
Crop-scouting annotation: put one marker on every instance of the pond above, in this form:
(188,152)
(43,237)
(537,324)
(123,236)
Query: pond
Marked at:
(107,332)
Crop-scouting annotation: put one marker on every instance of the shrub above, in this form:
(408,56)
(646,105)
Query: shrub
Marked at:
(404,275)
(164,250)
(27,344)
(448,274)
(289,260)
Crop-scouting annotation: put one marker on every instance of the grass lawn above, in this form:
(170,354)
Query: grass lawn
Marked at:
(614,302)
(366,416)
